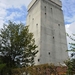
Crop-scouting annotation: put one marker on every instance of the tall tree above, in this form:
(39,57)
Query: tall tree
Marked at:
(71,62)
(17,45)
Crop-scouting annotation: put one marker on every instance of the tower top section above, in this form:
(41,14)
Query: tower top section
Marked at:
(57,2)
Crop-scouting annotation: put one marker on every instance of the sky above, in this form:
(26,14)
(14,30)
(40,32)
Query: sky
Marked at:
(16,11)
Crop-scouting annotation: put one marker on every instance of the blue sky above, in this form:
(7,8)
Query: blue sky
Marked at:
(16,10)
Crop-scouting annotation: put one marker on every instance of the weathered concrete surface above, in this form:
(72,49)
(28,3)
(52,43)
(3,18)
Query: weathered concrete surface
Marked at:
(45,20)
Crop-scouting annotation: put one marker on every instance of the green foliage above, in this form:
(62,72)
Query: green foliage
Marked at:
(71,66)
(44,69)
(17,45)
(71,62)
(72,45)
(2,66)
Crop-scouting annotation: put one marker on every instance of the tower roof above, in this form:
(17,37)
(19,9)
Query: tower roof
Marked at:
(57,2)
(31,4)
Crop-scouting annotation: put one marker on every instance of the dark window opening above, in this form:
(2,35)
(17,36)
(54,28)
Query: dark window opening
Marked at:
(45,10)
(49,53)
(45,6)
(32,18)
(45,13)
(58,24)
(53,37)
(36,24)
(38,60)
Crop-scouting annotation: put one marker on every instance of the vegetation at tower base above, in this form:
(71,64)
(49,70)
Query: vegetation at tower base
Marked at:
(17,47)
(44,69)
(71,62)
(70,66)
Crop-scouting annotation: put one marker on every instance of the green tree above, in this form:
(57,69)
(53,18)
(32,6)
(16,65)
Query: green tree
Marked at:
(71,66)
(17,45)
(71,62)
(2,66)
(72,45)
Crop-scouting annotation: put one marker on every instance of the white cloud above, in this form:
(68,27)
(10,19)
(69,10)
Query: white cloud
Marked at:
(3,13)
(5,4)
(15,3)
(69,32)
(13,15)
(70,29)
(1,23)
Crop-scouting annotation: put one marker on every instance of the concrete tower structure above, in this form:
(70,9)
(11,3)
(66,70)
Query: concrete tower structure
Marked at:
(45,20)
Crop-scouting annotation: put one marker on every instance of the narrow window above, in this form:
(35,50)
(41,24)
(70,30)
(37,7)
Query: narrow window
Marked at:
(37,29)
(36,24)
(29,18)
(38,60)
(58,24)
(45,10)
(49,53)
(51,9)
(45,6)
(53,37)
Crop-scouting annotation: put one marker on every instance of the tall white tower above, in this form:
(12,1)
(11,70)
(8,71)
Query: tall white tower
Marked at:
(45,20)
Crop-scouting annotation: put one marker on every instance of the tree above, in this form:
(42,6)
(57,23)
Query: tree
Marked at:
(72,45)
(2,66)
(71,62)
(17,45)
(71,66)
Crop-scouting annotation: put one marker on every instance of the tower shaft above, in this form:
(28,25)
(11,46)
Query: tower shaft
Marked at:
(46,22)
